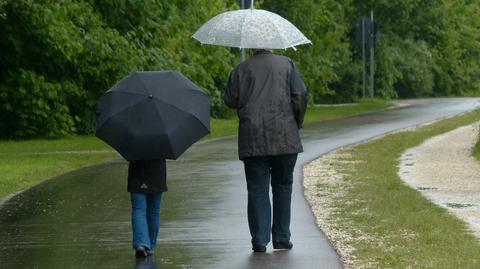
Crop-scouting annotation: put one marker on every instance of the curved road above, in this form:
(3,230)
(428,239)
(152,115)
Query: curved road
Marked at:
(81,219)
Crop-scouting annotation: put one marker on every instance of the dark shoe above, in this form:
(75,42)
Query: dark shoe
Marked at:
(141,252)
(259,248)
(285,245)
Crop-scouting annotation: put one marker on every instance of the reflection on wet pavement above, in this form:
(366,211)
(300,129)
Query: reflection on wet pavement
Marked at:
(82,219)
(148,263)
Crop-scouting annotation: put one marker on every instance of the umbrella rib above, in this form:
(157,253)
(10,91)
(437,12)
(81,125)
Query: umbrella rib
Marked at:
(248,13)
(193,91)
(143,85)
(210,31)
(284,40)
(163,123)
(110,119)
(178,108)
(213,22)
(118,112)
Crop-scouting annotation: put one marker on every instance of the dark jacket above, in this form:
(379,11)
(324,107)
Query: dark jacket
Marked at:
(270,98)
(147,176)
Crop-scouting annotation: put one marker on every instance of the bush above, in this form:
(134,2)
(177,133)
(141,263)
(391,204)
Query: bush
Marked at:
(414,62)
(58,58)
(37,107)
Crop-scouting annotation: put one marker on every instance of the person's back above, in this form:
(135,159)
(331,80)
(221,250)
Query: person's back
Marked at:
(270,99)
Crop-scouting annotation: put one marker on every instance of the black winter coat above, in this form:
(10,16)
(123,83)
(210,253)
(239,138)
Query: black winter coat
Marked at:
(271,99)
(147,176)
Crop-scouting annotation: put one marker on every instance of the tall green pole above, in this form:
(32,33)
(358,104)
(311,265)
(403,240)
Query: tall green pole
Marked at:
(364,61)
(372,56)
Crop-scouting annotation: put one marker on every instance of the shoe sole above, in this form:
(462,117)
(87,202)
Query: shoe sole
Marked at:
(259,250)
(140,254)
(276,247)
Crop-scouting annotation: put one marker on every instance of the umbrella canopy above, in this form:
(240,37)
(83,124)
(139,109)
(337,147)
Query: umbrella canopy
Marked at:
(153,115)
(250,28)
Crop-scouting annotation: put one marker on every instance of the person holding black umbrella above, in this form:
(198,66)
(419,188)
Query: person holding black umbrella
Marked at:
(147,181)
(149,117)
(270,98)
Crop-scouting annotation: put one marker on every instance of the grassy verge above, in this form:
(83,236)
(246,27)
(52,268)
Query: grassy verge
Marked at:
(389,224)
(476,149)
(322,113)
(222,128)
(24,163)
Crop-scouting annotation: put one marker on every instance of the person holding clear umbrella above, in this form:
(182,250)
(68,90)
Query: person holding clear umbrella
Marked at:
(270,98)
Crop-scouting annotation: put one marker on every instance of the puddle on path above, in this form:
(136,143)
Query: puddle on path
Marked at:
(459,205)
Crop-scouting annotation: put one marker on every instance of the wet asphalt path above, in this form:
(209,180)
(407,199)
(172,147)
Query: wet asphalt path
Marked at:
(82,219)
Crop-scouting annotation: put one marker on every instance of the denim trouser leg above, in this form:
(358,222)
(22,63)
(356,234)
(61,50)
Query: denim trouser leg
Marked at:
(153,218)
(282,179)
(145,219)
(257,172)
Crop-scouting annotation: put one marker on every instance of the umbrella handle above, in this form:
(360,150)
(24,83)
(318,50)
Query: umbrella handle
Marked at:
(252,5)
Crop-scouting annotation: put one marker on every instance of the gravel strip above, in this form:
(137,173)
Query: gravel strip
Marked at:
(444,170)
(323,185)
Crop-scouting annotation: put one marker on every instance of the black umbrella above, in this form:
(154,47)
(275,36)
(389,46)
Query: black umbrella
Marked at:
(152,115)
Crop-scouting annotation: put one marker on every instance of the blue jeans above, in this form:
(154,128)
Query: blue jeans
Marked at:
(145,219)
(260,173)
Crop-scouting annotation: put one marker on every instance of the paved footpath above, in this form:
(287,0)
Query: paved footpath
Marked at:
(81,219)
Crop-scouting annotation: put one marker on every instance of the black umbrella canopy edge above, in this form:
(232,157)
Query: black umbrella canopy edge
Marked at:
(139,75)
(141,87)
(188,81)
(132,76)
(207,127)
(174,154)
(100,124)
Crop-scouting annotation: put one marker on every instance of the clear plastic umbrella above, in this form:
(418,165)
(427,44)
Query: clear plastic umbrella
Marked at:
(250,28)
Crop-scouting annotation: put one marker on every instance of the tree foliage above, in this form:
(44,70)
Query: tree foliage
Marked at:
(429,47)
(59,56)
(327,64)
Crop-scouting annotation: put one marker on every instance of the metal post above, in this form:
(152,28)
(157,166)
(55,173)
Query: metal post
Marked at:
(364,67)
(243,50)
(372,55)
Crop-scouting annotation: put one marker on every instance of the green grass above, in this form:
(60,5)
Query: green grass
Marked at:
(392,225)
(322,113)
(24,163)
(222,128)
(476,149)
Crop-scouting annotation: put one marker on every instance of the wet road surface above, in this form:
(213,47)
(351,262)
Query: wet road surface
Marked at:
(82,219)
